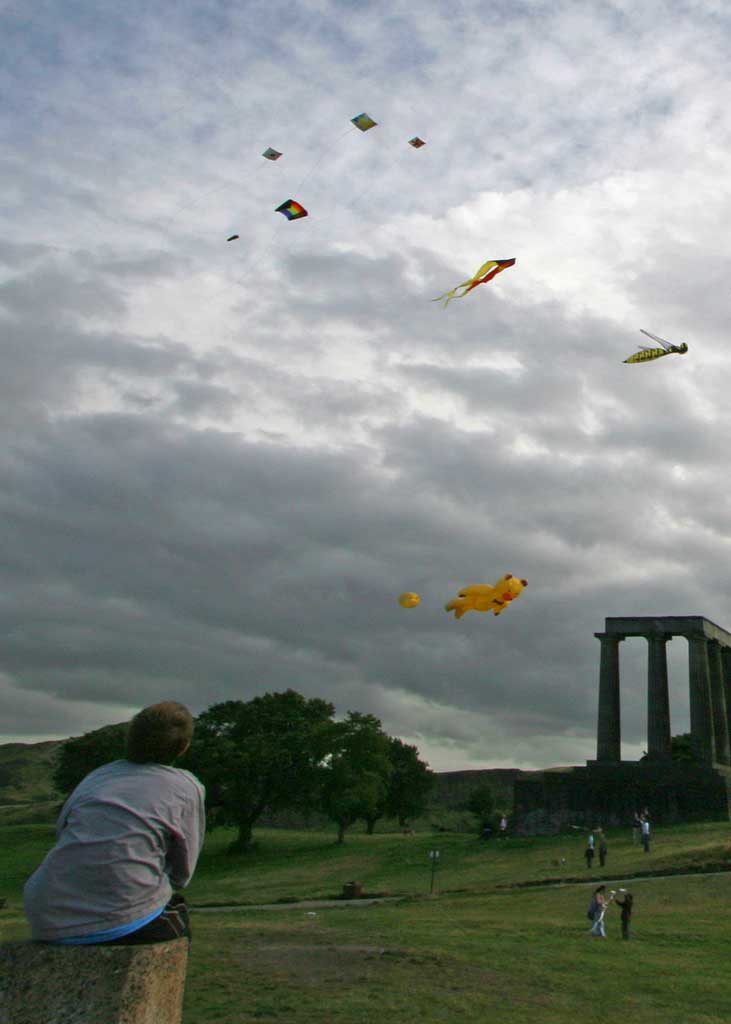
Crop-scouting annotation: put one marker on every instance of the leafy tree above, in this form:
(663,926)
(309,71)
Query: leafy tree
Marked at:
(82,754)
(259,755)
(683,749)
(481,803)
(408,786)
(410,783)
(356,772)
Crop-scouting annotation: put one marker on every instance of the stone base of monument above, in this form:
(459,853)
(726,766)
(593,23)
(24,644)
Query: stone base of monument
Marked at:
(46,984)
(608,795)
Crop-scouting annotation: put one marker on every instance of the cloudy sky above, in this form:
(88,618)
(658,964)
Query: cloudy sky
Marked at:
(223,461)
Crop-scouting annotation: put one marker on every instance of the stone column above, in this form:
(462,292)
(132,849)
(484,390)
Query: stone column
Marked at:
(701,719)
(726,676)
(608,735)
(658,701)
(722,751)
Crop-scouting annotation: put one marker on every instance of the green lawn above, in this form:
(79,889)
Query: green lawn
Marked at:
(476,951)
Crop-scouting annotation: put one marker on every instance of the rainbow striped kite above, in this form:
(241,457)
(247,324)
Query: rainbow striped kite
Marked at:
(486,273)
(292,210)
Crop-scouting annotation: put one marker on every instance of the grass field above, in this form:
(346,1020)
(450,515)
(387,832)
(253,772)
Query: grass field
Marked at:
(482,948)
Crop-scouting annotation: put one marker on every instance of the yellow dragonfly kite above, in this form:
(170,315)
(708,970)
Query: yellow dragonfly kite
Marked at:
(647,353)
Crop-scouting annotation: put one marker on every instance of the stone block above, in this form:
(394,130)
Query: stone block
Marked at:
(46,984)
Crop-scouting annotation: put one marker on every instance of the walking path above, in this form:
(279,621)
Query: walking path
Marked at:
(370,901)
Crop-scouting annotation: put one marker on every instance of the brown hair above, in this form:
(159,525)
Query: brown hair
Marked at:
(158,733)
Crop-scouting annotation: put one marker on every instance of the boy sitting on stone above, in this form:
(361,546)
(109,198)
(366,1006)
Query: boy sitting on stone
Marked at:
(130,832)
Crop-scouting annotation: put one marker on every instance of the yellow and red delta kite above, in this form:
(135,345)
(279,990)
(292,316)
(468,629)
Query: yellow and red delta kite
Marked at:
(486,273)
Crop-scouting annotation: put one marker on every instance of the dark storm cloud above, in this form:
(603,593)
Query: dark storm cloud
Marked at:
(221,465)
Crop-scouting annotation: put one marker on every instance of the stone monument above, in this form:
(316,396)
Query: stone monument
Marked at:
(609,790)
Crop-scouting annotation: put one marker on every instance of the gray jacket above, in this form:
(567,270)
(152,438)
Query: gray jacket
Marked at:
(127,834)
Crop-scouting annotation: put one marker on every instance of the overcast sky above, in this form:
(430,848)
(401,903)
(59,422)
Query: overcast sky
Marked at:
(222,462)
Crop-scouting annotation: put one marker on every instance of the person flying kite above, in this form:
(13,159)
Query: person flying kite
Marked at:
(645,353)
(486,273)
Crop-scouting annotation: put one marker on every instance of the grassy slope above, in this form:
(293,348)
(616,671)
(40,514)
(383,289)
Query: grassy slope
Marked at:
(25,772)
(475,951)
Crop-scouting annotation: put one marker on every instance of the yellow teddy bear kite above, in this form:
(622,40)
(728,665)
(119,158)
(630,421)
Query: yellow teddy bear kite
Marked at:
(482,598)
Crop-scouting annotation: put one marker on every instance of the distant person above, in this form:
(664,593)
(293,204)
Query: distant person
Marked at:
(503,827)
(602,848)
(598,909)
(637,829)
(589,851)
(129,833)
(646,834)
(626,906)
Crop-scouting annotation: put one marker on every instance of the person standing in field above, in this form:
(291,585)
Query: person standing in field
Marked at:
(503,827)
(626,906)
(589,851)
(602,848)
(636,829)
(129,834)
(645,834)
(599,908)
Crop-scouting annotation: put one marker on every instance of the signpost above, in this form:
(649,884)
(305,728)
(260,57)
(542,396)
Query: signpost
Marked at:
(434,857)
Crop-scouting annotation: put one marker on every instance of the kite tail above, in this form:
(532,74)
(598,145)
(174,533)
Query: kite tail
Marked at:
(452,293)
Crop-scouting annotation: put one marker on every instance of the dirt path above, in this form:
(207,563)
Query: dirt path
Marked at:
(369,901)
(301,905)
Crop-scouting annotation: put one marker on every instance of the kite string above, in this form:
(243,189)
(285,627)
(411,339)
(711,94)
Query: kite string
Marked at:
(349,205)
(170,217)
(322,156)
(308,174)
(167,218)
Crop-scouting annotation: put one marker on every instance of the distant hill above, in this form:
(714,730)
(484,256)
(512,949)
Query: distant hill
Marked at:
(27,794)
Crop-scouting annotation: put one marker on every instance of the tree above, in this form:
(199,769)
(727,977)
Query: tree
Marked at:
(683,749)
(356,772)
(408,785)
(259,755)
(82,754)
(481,803)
